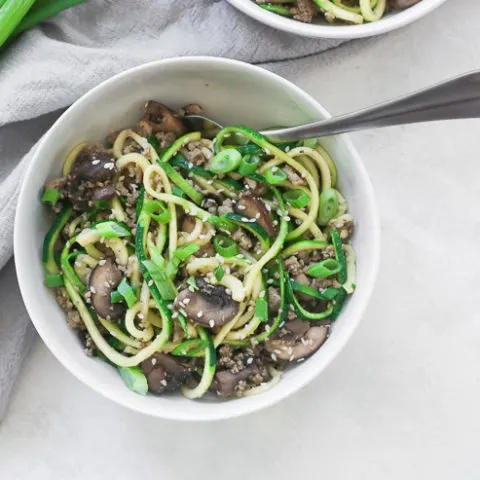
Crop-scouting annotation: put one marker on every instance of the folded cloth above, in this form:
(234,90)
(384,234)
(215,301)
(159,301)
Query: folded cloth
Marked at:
(50,66)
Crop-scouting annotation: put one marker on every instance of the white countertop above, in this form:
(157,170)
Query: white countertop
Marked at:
(402,400)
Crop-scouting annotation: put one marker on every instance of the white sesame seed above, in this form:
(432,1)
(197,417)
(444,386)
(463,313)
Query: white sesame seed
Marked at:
(154,361)
(249,360)
(257,215)
(92,289)
(228,291)
(274,357)
(268,207)
(95,162)
(140,315)
(300,360)
(200,314)
(102,262)
(163,382)
(241,207)
(261,294)
(286,218)
(186,301)
(174,314)
(211,323)
(150,283)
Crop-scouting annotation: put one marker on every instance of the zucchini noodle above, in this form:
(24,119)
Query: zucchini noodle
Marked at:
(157,271)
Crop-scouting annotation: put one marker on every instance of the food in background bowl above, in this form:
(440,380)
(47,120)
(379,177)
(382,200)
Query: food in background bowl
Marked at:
(353,12)
(198,264)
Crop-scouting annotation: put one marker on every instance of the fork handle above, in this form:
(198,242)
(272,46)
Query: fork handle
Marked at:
(454,99)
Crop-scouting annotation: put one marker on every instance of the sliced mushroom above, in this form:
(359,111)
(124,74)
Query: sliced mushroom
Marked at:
(298,327)
(193,109)
(91,177)
(251,206)
(103,281)
(210,305)
(103,193)
(164,373)
(287,348)
(255,187)
(188,224)
(159,118)
(226,381)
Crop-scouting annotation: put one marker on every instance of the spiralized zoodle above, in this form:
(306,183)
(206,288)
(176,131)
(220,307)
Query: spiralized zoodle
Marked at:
(352,12)
(199,264)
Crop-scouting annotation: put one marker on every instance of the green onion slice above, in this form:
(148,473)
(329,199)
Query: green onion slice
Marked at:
(324,269)
(261,309)
(53,280)
(219,273)
(50,196)
(328,206)
(134,379)
(248,164)
(162,281)
(226,161)
(157,210)
(275,175)
(225,246)
(296,198)
(126,291)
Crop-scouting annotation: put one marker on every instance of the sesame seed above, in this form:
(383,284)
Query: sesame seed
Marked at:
(141,316)
(174,314)
(241,207)
(154,361)
(228,291)
(102,262)
(186,301)
(249,360)
(211,323)
(274,357)
(163,382)
(286,218)
(200,314)
(257,215)
(261,294)
(95,162)
(150,283)
(287,149)
(292,358)
(268,207)
(93,290)
(170,306)
(300,360)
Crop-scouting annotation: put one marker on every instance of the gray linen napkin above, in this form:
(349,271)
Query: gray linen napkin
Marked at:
(49,67)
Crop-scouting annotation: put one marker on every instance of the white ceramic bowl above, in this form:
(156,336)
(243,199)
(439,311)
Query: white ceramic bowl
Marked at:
(231,92)
(389,22)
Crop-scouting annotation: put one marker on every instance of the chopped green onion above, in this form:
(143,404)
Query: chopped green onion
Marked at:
(116,297)
(324,269)
(279,10)
(178,192)
(53,280)
(181,162)
(226,161)
(162,281)
(179,256)
(181,183)
(328,206)
(340,255)
(134,379)
(126,291)
(190,348)
(296,198)
(225,246)
(261,309)
(219,273)
(310,142)
(50,196)
(157,211)
(192,282)
(329,294)
(248,164)
(338,304)
(275,175)
(111,229)
(102,204)
(157,257)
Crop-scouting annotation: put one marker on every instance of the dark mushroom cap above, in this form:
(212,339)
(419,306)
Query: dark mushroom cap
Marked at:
(163,372)
(209,302)
(226,381)
(289,349)
(91,177)
(104,279)
(250,207)
(161,119)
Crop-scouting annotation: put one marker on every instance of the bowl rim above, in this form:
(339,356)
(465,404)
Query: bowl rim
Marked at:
(384,25)
(22,269)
